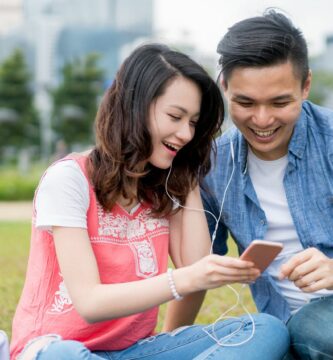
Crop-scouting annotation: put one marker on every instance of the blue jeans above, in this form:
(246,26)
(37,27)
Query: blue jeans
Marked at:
(311,331)
(270,341)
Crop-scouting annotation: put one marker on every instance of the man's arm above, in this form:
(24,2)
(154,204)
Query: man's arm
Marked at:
(184,312)
(189,242)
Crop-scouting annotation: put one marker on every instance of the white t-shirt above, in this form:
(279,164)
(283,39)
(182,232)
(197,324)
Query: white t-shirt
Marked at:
(63,197)
(267,179)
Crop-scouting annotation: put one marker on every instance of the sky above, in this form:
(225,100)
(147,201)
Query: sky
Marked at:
(203,22)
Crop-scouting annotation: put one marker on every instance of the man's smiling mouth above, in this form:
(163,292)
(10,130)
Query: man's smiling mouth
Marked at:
(264,134)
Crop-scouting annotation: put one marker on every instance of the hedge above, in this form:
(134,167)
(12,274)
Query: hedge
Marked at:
(15,186)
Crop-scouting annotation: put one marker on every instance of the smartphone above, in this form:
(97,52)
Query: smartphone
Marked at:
(262,253)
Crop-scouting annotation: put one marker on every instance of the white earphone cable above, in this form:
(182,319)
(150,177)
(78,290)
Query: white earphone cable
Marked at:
(210,329)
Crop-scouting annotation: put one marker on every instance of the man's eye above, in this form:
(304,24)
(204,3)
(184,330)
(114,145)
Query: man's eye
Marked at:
(281,104)
(244,104)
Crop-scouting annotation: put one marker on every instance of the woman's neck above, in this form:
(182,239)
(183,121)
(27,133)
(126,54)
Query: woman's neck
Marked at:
(125,204)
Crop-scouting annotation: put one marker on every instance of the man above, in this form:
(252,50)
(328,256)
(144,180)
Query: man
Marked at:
(274,176)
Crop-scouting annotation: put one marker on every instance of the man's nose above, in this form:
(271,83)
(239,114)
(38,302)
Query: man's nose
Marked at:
(262,117)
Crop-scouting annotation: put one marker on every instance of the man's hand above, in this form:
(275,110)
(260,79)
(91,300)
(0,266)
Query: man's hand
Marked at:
(310,270)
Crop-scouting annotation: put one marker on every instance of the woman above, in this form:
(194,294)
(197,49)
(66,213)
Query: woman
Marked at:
(106,221)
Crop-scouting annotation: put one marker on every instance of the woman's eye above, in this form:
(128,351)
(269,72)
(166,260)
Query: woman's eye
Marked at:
(174,117)
(193,123)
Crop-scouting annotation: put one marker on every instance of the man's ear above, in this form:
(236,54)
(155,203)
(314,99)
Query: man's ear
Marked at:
(307,86)
(223,84)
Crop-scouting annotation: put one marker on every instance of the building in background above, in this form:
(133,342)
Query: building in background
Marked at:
(11,15)
(53,32)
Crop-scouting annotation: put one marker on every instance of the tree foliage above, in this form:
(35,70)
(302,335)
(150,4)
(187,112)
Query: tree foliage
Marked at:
(19,123)
(322,87)
(75,100)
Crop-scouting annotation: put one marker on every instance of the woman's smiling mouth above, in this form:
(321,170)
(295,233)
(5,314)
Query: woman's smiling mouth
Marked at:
(172,148)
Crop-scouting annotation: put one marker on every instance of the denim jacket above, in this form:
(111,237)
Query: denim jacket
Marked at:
(308,183)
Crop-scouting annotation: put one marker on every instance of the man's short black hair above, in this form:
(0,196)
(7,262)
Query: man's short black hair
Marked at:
(265,40)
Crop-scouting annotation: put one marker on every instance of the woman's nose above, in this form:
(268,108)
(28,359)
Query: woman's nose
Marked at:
(185,133)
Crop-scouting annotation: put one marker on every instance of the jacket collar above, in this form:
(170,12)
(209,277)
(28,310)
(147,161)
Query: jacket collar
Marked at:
(298,139)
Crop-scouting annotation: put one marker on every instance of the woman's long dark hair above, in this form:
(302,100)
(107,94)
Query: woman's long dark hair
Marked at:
(118,164)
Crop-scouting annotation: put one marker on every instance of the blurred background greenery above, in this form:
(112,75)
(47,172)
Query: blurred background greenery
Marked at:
(74,105)
(23,157)
(57,58)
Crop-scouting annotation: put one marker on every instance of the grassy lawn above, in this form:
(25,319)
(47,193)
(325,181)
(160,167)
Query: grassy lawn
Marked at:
(14,247)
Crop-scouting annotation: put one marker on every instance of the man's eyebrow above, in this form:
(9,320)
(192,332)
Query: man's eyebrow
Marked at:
(240,97)
(283,97)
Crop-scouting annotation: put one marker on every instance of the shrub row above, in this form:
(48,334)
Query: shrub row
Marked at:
(15,187)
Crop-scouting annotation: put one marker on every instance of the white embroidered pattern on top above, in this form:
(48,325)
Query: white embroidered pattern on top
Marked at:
(135,232)
(62,302)
(145,258)
(121,227)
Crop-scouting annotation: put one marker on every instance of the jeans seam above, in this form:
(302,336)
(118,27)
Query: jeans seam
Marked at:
(312,349)
(166,348)
(176,345)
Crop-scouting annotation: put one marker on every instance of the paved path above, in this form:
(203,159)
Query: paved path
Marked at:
(15,211)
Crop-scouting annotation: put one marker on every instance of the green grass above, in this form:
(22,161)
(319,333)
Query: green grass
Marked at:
(219,301)
(14,248)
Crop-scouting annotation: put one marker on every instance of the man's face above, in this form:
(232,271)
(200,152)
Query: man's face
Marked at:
(265,103)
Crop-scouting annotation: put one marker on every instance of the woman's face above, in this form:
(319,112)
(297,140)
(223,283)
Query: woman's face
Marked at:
(172,120)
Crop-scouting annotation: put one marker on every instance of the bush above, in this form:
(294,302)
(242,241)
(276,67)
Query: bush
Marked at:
(15,186)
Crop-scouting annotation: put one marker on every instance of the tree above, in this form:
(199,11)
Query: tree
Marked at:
(75,100)
(19,123)
(322,87)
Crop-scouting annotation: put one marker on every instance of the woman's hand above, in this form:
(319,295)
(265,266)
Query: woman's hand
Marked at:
(214,271)
(310,270)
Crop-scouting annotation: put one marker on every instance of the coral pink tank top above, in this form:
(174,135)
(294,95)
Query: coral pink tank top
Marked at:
(128,247)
